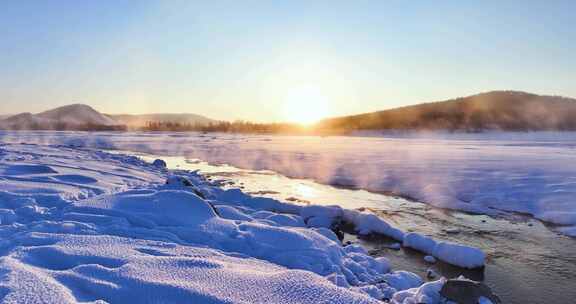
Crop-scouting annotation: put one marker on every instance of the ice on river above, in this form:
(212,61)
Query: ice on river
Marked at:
(490,173)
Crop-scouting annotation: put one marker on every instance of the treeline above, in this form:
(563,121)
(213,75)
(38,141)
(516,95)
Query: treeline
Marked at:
(498,110)
(225,126)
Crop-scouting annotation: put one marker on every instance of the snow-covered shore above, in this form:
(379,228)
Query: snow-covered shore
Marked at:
(492,173)
(79,225)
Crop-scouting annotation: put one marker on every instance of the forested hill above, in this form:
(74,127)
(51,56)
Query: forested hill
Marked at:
(497,110)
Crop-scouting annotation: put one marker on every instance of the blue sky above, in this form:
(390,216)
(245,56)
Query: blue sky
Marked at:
(241,59)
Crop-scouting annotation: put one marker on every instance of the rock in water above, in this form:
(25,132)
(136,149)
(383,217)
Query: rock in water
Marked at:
(430,259)
(464,291)
(159,163)
(431,274)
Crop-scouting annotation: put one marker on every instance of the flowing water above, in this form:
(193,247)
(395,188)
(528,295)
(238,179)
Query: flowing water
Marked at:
(527,261)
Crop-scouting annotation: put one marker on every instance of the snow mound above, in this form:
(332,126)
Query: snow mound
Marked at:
(277,238)
(84,226)
(88,268)
(165,207)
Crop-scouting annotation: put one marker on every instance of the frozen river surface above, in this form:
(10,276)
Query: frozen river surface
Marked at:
(531,173)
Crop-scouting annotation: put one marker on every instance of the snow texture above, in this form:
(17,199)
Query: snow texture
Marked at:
(79,225)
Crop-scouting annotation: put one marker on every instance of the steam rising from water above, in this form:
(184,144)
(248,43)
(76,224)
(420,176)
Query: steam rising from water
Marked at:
(530,172)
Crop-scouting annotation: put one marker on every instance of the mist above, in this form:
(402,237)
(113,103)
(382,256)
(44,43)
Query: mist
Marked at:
(478,173)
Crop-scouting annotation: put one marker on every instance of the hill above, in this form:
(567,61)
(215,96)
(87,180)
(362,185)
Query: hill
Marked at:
(84,117)
(497,110)
(77,114)
(71,117)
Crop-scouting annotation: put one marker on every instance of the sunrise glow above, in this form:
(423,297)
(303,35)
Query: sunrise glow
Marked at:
(305,105)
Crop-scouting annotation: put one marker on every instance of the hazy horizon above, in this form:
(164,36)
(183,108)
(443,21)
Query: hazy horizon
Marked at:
(266,62)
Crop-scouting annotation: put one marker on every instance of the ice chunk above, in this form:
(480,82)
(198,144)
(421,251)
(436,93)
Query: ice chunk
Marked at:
(419,242)
(367,223)
(460,255)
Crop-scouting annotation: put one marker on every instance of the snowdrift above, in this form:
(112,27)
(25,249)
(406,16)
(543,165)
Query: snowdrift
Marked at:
(84,226)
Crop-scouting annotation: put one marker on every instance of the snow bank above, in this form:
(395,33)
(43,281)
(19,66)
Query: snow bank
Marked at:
(277,238)
(85,226)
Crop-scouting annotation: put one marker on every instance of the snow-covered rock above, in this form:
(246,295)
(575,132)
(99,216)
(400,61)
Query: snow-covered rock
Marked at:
(463,290)
(366,223)
(419,242)
(460,255)
(455,254)
(159,163)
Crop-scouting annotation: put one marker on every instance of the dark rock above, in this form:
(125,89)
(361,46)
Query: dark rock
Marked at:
(337,229)
(159,163)
(465,291)
(431,274)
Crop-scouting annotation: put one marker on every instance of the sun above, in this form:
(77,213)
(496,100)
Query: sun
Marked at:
(305,105)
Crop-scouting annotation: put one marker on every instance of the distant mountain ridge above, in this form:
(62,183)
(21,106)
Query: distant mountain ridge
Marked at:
(84,117)
(77,114)
(70,117)
(496,110)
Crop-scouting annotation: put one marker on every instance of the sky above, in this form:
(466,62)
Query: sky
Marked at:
(278,60)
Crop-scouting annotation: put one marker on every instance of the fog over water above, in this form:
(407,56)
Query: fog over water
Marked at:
(533,173)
